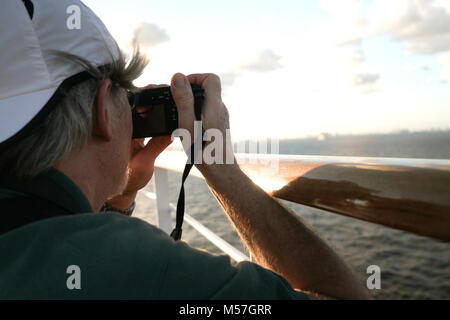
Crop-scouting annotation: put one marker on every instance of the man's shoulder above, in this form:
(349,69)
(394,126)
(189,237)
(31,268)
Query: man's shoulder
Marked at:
(124,257)
(118,257)
(88,226)
(102,237)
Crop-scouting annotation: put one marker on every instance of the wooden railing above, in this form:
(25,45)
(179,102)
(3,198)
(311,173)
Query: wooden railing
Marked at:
(406,194)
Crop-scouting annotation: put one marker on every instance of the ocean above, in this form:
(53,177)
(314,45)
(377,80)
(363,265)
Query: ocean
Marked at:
(412,266)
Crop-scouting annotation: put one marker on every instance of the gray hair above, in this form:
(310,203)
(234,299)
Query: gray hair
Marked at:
(67,128)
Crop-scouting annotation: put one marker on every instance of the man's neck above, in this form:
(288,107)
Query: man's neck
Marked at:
(86,171)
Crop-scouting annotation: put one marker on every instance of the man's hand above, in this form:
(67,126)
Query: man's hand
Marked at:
(214,112)
(140,165)
(142,161)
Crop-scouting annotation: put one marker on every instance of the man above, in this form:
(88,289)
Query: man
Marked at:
(66,150)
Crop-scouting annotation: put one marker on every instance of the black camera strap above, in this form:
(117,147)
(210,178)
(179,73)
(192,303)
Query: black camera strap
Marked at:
(176,233)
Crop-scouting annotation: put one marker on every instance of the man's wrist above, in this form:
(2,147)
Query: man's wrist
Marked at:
(128,212)
(122,202)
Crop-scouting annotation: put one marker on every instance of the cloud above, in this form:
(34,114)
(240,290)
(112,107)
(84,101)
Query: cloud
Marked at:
(362,76)
(434,44)
(423,24)
(365,79)
(366,82)
(149,35)
(265,61)
(357,57)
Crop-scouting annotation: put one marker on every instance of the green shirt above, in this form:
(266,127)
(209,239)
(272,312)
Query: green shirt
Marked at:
(118,257)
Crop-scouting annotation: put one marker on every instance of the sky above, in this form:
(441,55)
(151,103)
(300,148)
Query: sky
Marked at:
(294,68)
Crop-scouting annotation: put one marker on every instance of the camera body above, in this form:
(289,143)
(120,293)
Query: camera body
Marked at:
(155,113)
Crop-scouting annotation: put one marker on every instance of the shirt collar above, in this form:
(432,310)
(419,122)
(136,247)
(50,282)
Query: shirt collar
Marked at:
(51,185)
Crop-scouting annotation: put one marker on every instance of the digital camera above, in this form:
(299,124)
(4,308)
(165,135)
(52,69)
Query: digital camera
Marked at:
(155,113)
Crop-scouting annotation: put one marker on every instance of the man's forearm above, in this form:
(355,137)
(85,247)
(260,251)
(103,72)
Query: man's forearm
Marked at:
(277,239)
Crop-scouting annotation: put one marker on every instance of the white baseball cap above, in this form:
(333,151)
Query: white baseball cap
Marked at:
(30,72)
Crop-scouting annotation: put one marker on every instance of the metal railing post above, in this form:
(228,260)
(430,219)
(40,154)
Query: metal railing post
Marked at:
(164,219)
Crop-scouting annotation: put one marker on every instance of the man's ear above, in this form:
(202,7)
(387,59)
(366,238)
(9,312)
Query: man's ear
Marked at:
(102,117)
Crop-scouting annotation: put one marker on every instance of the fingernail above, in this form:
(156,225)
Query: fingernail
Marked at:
(179,81)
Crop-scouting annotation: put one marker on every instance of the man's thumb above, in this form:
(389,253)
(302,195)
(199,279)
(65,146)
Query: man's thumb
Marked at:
(182,92)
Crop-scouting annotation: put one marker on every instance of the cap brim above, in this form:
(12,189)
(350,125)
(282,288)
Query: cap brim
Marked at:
(17,111)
